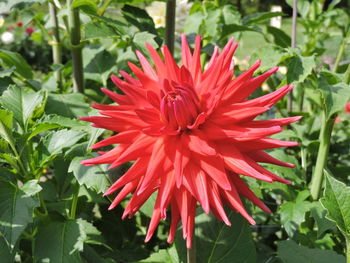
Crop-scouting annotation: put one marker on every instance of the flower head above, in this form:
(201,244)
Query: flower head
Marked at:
(7,37)
(192,135)
(30,30)
(347,108)
(19,23)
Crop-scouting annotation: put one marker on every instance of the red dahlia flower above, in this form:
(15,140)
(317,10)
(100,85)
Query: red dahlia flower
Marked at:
(191,134)
(30,30)
(347,107)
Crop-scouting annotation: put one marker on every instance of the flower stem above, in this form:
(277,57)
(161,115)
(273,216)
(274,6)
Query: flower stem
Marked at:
(73,208)
(341,51)
(347,75)
(325,138)
(347,249)
(76,48)
(326,132)
(56,44)
(293,45)
(170,25)
(191,252)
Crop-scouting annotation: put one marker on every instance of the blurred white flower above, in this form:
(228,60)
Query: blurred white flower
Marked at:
(7,37)
(282,70)
(157,11)
(265,87)
(277,20)
(182,9)
(2,21)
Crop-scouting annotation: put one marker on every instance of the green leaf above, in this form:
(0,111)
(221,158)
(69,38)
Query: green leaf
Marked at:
(5,252)
(67,105)
(139,18)
(31,187)
(270,56)
(65,122)
(21,103)
(6,125)
(299,68)
(55,242)
(336,201)
(163,255)
(41,127)
(94,177)
(16,210)
(14,59)
(120,26)
(318,212)
(88,6)
(280,37)
(334,94)
(98,64)
(97,30)
(260,17)
(290,252)
(140,40)
(7,72)
(88,235)
(63,139)
(217,242)
(293,213)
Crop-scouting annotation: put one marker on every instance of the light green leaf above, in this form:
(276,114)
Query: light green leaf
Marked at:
(89,6)
(299,68)
(293,213)
(140,40)
(41,127)
(31,188)
(270,56)
(14,59)
(290,252)
(65,122)
(94,177)
(336,201)
(217,242)
(22,103)
(63,139)
(55,242)
(6,125)
(334,94)
(16,211)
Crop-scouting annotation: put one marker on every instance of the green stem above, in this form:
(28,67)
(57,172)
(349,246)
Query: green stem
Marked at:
(56,44)
(325,138)
(170,25)
(347,75)
(76,48)
(341,51)
(102,9)
(347,249)
(191,253)
(73,209)
(19,160)
(293,45)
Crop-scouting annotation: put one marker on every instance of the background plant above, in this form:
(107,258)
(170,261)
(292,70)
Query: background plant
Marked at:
(52,207)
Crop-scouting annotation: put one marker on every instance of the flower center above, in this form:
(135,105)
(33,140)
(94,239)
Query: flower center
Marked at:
(179,108)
